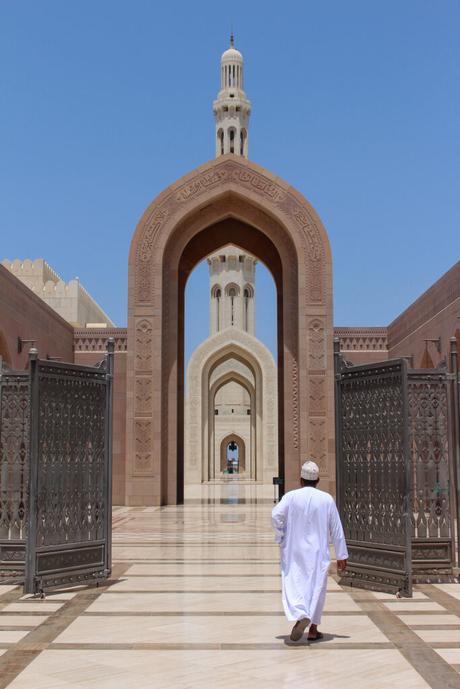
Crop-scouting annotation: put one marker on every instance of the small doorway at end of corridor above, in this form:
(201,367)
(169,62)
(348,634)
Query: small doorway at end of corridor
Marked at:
(232,455)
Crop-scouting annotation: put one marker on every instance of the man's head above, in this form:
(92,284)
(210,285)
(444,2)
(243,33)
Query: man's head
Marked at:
(309,474)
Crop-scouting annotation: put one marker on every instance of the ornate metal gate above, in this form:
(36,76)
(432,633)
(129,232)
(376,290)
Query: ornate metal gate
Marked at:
(394,476)
(55,472)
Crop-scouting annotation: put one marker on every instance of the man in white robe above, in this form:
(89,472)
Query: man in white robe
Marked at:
(306,520)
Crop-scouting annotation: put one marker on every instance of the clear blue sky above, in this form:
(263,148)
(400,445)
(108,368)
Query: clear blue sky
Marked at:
(356,103)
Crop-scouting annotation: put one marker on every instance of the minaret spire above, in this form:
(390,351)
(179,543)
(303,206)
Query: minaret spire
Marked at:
(231,108)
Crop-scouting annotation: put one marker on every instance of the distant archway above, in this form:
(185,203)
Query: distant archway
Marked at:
(233,438)
(228,200)
(261,383)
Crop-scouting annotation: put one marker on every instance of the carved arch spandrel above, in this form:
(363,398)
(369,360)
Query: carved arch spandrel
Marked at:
(240,176)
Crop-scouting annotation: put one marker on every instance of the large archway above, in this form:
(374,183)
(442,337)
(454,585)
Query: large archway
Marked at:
(226,200)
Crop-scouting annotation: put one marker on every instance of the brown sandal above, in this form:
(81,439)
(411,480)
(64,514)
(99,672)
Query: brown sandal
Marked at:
(316,638)
(299,628)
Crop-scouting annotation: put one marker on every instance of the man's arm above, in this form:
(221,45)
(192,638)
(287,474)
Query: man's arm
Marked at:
(337,537)
(279,517)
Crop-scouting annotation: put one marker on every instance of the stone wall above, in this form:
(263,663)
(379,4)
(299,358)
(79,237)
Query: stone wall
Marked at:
(69,299)
(24,315)
(363,345)
(435,314)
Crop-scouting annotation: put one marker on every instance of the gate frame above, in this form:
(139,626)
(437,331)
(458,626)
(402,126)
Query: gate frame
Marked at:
(405,573)
(34,580)
(454,384)
(434,570)
(70,571)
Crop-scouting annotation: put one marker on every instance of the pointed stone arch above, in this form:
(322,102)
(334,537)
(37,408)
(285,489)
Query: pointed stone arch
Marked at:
(201,388)
(228,200)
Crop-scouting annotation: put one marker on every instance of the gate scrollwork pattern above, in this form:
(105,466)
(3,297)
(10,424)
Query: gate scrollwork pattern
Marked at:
(71,457)
(373,457)
(55,472)
(394,472)
(14,457)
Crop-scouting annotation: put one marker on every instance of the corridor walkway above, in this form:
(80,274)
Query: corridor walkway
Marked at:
(194,602)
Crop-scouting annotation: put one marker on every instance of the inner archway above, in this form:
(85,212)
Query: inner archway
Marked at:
(234,201)
(231,355)
(232,455)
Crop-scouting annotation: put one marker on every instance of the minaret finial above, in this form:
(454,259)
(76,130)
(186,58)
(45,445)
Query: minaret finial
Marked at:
(231,108)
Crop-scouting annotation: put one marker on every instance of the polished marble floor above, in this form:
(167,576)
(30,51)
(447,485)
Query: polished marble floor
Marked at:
(195,602)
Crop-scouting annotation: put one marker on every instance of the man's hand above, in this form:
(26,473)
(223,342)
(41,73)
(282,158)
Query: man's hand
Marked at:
(341,565)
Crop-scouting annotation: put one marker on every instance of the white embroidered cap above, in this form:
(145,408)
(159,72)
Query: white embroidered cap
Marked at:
(309,471)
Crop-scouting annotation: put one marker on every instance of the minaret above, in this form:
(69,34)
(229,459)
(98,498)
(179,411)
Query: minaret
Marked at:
(232,294)
(231,108)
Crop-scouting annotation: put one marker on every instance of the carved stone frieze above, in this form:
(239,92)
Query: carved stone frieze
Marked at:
(143,447)
(256,182)
(143,346)
(317,395)
(316,345)
(317,445)
(143,404)
(144,255)
(205,182)
(232,172)
(295,404)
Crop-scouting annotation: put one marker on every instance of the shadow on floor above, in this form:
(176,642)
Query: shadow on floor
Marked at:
(305,642)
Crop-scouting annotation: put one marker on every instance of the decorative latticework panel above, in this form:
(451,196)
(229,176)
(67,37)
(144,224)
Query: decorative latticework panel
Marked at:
(432,523)
(70,490)
(373,481)
(394,472)
(55,472)
(373,456)
(14,467)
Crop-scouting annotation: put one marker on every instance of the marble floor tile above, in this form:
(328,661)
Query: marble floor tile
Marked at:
(6,588)
(11,636)
(319,669)
(439,635)
(439,620)
(239,602)
(21,620)
(53,596)
(239,629)
(416,595)
(186,602)
(204,568)
(406,604)
(340,602)
(197,605)
(230,553)
(451,589)
(202,583)
(235,583)
(38,606)
(450,655)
